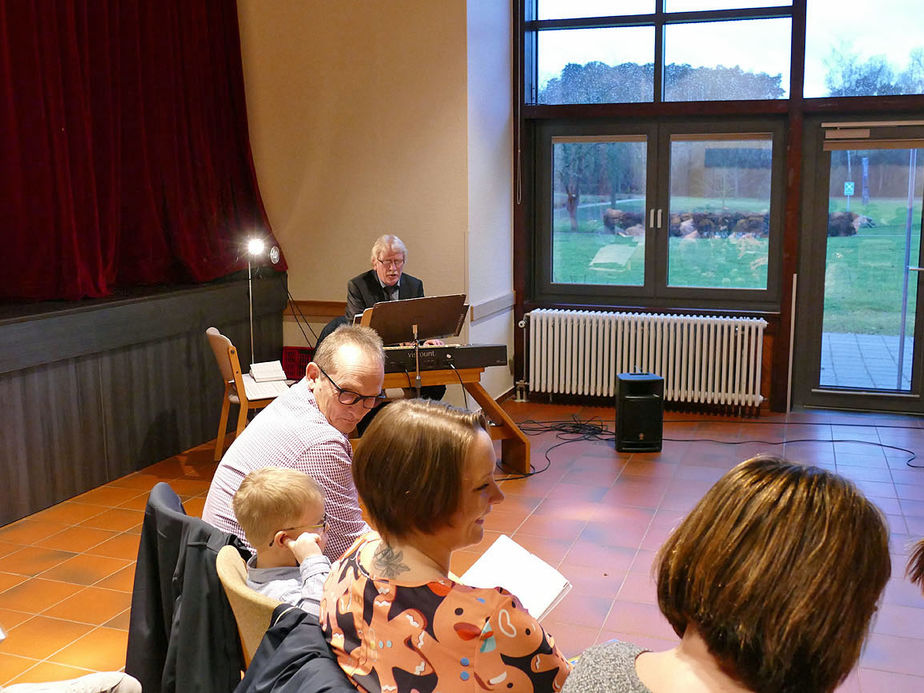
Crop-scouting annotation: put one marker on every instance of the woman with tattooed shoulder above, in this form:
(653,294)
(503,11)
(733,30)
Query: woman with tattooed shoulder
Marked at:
(392,614)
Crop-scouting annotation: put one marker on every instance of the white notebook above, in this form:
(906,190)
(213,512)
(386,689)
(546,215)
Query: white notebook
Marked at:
(267,370)
(537,585)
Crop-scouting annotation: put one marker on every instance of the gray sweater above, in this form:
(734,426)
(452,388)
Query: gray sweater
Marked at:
(606,668)
(300,586)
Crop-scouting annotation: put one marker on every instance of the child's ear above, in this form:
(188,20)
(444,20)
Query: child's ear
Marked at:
(278,538)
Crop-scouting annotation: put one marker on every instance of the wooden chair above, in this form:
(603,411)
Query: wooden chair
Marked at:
(230,367)
(252,611)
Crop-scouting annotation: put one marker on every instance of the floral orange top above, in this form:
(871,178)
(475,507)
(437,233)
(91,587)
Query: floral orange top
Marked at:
(437,637)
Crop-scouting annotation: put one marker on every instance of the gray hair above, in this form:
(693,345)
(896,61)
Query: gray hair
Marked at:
(383,243)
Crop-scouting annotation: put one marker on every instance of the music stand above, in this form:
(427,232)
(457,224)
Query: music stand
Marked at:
(414,319)
(417,319)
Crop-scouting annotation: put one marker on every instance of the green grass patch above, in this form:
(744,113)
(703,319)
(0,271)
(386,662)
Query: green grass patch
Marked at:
(863,279)
(602,259)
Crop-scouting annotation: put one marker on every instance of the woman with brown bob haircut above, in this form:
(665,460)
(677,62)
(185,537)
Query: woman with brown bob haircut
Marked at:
(392,613)
(770,582)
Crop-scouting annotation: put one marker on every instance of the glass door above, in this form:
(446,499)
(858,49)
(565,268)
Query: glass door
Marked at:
(860,313)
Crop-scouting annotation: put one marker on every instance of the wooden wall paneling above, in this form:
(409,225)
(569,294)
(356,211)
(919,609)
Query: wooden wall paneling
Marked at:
(111,388)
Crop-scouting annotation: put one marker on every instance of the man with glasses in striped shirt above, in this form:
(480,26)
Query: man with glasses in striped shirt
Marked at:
(307,429)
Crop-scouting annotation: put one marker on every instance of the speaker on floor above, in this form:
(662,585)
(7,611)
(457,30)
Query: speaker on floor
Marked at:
(639,412)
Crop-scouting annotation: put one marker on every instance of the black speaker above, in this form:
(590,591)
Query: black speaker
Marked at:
(639,412)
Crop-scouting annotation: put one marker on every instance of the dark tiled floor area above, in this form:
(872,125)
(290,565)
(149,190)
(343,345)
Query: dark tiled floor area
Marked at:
(598,515)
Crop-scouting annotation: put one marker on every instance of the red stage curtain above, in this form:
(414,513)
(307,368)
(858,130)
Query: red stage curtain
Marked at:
(125,153)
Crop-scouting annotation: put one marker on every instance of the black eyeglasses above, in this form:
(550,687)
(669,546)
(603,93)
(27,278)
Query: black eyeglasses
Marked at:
(349,398)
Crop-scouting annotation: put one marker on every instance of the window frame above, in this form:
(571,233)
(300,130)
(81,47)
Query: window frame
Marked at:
(796,112)
(531,27)
(655,292)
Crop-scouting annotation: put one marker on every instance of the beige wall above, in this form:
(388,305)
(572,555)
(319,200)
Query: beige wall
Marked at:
(361,119)
(490,181)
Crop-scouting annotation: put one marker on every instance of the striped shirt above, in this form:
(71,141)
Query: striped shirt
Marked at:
(292,432)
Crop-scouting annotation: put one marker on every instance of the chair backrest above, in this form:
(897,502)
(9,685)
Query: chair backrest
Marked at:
(252,611)
(220,346)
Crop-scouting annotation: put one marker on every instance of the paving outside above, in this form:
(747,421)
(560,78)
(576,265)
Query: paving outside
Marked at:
(864,361)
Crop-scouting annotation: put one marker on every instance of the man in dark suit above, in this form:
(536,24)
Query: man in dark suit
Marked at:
(386,280)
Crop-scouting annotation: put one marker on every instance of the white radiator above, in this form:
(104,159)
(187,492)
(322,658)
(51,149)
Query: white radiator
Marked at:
(703,360)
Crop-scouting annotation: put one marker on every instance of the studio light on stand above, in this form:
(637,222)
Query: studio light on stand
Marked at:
(255,249)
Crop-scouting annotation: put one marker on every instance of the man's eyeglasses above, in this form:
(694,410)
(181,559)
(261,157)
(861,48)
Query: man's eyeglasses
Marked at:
(349,398)
(391,263)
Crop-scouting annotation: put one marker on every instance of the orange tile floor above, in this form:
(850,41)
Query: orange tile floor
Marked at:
(599,516)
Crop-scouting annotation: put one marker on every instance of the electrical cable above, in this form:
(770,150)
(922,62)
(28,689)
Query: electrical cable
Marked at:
(575,430)
(464,391)
(570,431)
(296,313)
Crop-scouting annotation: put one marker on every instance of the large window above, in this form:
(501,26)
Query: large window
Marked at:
(626,51)
(661,210)
(581,55)
(881,55)
(657,159)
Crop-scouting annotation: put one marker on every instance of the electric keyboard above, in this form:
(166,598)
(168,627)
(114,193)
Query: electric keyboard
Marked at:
(401,359)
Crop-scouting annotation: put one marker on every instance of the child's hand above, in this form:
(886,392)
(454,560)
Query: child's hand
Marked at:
(306,544)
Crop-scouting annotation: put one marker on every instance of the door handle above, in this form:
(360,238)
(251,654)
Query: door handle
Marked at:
(916,269)
(651,218)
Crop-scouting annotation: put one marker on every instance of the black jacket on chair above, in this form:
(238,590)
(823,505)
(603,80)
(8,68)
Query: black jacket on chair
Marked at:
(294,657)
(182,635)
(364,291)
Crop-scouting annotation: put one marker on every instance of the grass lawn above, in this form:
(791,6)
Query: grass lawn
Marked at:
(864,273)
(863,283)
(863,278)
(601,258)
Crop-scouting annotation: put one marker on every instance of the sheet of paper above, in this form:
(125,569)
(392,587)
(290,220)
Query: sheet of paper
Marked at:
(537,585)
(266,390)
(267,370)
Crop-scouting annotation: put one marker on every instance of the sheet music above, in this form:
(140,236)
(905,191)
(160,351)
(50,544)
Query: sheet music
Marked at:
(267,390)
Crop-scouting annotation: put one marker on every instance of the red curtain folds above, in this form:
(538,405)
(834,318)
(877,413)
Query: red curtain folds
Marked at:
(125,151)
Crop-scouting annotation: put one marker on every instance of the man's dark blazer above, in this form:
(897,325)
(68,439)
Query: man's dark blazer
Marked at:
(364,291)
(294,657)
(182,635)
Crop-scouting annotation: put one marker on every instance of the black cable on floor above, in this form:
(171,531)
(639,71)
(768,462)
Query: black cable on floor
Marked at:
(594,429)
(570,431)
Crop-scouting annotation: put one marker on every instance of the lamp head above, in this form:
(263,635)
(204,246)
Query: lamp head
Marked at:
(255,246)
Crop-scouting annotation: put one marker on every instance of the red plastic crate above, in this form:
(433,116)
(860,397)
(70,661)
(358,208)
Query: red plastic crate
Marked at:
(294,361)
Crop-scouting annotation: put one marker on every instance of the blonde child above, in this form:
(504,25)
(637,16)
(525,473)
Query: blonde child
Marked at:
(282,514)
